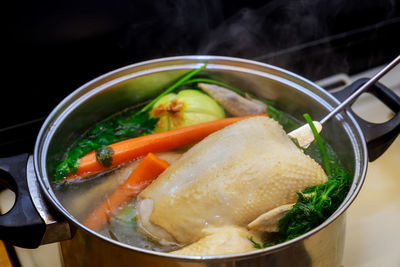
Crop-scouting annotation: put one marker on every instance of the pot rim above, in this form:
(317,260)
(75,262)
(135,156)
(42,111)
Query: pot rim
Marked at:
(48,127)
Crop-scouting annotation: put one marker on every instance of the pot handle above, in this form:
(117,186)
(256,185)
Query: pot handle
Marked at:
(22,225)
(379,136)
(30,222)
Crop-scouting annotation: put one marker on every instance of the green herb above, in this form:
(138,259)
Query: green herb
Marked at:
(309,212)
(258,245)
(320,144)
(321,201)
(114,129)
(62,170)
(255,244)
(180,82)
(104,155)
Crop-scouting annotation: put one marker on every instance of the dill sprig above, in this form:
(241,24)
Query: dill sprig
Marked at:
(319,202)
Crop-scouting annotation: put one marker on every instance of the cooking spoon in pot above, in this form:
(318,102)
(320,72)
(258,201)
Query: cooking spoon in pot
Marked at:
(304,134)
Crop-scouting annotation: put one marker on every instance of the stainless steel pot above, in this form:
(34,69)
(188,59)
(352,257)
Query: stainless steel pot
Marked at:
(38,217)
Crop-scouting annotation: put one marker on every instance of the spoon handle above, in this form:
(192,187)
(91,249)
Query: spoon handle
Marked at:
(359,91)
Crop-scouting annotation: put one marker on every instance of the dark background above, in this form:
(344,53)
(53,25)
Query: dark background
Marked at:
(50,48)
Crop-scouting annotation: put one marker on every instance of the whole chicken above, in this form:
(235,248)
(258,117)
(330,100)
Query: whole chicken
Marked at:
(227,180)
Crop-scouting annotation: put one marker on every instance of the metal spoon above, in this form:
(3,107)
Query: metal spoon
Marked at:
(304,134)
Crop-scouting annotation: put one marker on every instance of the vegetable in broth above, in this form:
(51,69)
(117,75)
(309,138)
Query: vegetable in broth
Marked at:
(314,205)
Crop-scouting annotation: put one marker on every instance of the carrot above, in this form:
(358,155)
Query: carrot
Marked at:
(133,148)
(147,170)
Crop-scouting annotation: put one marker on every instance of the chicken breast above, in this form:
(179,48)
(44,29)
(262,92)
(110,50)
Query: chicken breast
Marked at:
(229,178)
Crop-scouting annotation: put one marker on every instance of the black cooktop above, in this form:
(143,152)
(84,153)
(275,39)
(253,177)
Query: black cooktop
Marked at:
(53,47)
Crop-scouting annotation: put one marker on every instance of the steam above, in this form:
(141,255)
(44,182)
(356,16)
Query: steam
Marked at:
(254,33)
(290,34)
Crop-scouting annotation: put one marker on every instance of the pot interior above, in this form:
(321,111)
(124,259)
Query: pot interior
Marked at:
(132,85)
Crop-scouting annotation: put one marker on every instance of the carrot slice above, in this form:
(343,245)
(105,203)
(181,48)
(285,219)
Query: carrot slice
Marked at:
(131,149)
(148,169)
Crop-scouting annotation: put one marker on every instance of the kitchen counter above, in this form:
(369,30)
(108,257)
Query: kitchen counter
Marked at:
(373,220)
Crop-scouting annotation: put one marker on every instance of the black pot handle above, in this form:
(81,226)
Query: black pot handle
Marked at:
(379,136)
(21,226)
